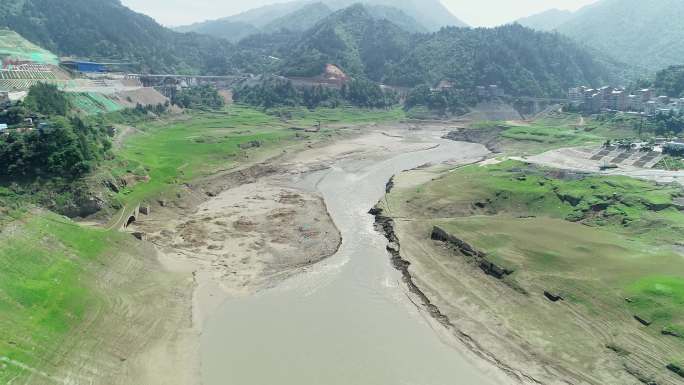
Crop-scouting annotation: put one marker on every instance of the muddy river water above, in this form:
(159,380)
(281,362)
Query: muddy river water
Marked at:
(347,320)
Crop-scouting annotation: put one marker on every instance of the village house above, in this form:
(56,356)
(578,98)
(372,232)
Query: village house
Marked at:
(617,99)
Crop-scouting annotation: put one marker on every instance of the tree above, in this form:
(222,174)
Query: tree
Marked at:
(47,99)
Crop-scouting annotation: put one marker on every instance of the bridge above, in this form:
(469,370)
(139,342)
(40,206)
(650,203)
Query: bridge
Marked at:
(125,218)
(166,80)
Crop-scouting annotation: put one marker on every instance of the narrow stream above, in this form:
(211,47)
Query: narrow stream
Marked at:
(347,321)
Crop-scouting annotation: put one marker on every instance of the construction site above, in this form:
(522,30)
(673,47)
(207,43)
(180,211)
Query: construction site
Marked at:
(92,87)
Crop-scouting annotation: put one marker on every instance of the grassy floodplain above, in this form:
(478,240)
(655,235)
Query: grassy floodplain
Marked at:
(608,245)
(556,130)
(166,154)
(47,285)
(52,294)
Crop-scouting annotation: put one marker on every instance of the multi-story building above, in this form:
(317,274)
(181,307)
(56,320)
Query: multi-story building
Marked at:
(617,100)
(651,107)
(576,96)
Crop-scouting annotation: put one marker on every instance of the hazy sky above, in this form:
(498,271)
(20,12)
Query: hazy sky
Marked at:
(473,12)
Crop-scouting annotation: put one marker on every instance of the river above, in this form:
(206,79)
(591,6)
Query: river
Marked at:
(347,320)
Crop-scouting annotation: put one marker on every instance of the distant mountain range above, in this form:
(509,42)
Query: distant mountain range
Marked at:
(361,40)
(519,59)
(644,33)
(410,15)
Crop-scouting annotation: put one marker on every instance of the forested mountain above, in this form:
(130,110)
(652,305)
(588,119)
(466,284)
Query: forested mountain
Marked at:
(670,81)
(523,61)
(645,33)
(352,39)
(547,20)
(356,39)
(411,15)
(107,29)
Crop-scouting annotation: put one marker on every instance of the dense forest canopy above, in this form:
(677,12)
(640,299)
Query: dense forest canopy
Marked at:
(352,39)
(200,97)
(522,61)
(670,81)
(64,146)
(278,92)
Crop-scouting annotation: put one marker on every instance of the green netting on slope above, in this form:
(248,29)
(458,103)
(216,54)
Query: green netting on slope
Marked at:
(12,45)
(108,104)
(93,103)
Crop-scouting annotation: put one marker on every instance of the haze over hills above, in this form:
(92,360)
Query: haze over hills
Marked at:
(411,15)
(547,20)
(645,33)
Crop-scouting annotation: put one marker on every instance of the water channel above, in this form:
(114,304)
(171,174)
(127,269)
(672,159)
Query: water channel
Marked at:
(347,321)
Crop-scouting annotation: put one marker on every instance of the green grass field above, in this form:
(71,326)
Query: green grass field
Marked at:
(609,238)
(554,131)
(46,273)
(175,152)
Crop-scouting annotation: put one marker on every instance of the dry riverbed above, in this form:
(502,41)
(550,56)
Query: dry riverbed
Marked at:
(247,230)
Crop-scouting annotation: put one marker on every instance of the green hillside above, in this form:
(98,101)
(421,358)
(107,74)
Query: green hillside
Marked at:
(523,61)
(670,81)
(354,40)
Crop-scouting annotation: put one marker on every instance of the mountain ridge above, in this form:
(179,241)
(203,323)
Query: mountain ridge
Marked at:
(428,16)
(643,33)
